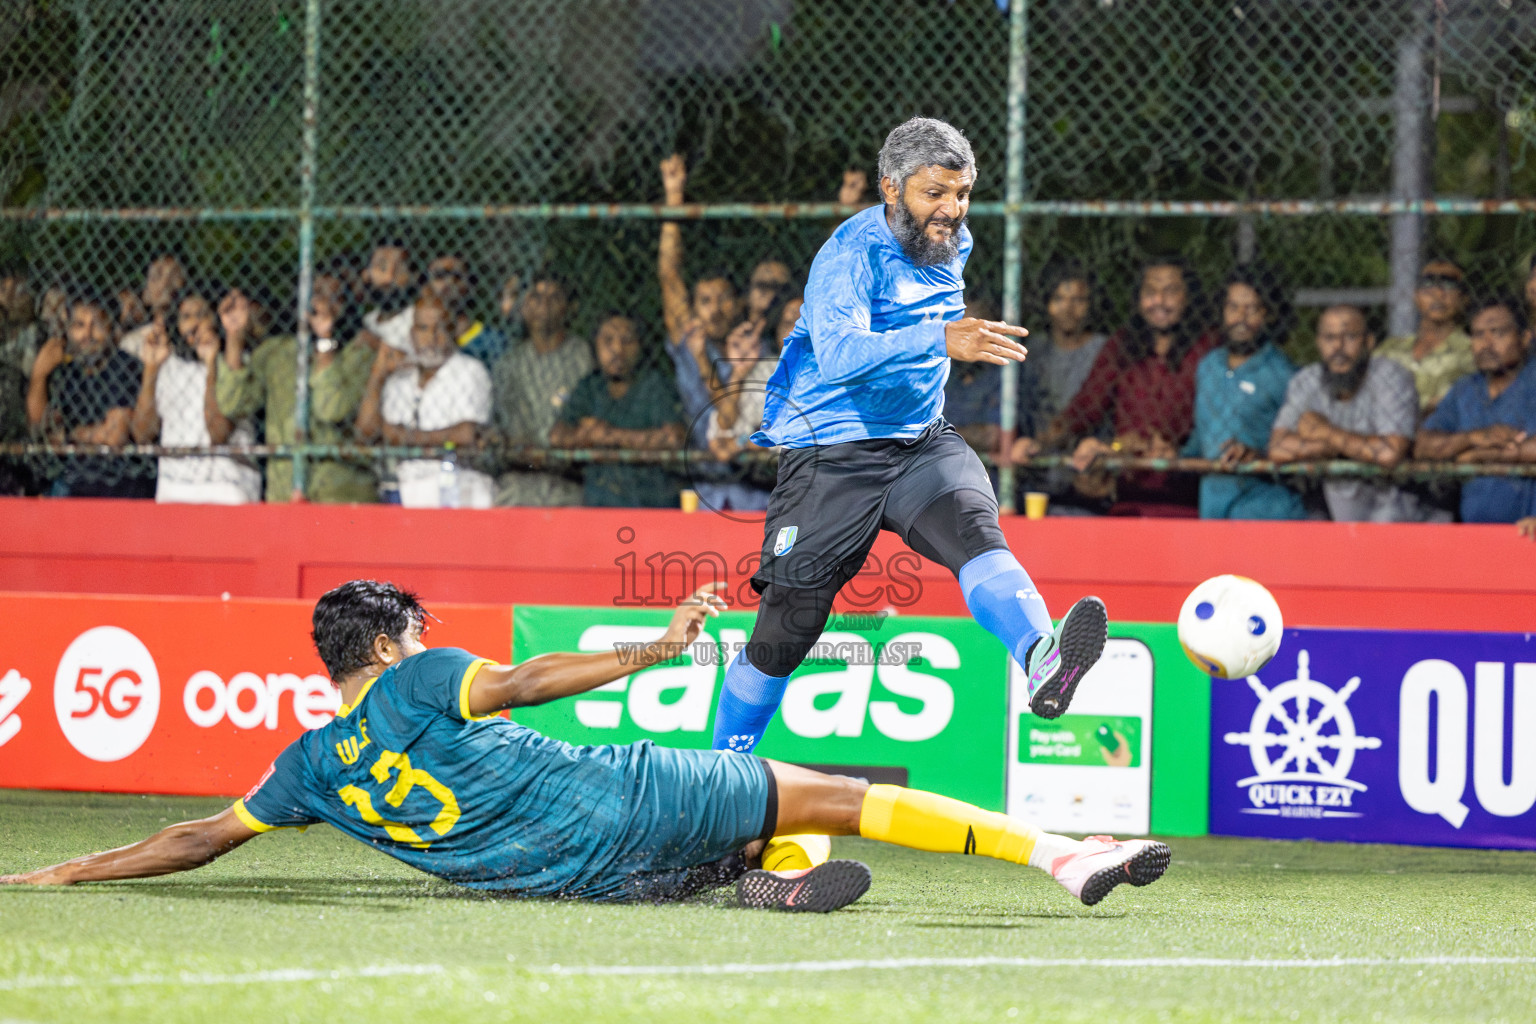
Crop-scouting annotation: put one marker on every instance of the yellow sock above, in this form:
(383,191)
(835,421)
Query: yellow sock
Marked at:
(796,853)
(926,821)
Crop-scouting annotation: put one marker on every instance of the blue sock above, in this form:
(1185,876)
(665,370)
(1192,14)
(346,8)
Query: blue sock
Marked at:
(1003,598)
(747,703)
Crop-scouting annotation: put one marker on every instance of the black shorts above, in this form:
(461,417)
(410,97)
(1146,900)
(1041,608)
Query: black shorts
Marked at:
(832,501)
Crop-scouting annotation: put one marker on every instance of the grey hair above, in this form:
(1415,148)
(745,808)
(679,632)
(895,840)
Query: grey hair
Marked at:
(923,142)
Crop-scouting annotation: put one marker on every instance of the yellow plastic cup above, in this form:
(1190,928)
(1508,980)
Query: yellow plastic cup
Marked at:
(688,501)
(1035,503)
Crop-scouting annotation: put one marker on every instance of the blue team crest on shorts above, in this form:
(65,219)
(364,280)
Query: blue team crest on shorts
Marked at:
(786,540)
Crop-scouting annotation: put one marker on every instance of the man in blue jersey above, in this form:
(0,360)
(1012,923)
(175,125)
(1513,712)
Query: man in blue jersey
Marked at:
(417,764)
(858,402)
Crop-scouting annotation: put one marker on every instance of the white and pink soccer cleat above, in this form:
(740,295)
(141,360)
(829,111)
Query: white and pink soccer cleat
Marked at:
(1104,862)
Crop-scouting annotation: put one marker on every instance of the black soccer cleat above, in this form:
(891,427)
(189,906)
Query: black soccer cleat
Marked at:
(1056,663)
(817,890)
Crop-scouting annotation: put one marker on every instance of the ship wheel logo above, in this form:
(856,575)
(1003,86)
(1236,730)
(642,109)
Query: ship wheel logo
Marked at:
(1310,722)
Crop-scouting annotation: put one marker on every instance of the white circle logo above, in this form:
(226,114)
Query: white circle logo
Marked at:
(106,693)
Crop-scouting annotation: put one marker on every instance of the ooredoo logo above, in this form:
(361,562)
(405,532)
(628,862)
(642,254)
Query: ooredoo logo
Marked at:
(106,693)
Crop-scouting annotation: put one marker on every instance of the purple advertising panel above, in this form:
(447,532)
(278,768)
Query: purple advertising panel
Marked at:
(1380,736)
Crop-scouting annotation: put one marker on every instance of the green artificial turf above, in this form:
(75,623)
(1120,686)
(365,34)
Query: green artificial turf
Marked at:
(204,946)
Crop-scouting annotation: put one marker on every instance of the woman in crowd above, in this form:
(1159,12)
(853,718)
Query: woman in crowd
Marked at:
(177,406)
(752,353)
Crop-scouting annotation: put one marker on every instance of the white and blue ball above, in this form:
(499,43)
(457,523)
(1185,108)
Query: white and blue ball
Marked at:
(1230,626)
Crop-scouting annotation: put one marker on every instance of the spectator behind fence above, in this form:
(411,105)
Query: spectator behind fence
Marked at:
(752,354)
(1529,290)
(532,383)
(1059,360)
(973,393)
(53,311)
(163,282)
(177,407)
(743,488)
(14,478)
(266,381)
(131,313)
(18,325)
(1351,405)
(18,348)
(626,407)
(1440,353)
(82,391)
(450,278)
(696,328)
(1060,357)
(1143,383)
(1490,415)
(431,397)
(389,287)
(767,285)
(1239,388)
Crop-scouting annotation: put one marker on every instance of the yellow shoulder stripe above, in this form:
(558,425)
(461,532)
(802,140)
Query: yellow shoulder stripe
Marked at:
(469,677)
(347,709)
(249,820)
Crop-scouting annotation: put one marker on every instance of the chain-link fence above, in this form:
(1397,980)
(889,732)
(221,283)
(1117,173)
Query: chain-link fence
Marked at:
(210,167)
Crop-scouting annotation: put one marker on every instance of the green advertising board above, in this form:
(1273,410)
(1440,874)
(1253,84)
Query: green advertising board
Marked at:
(922,700)
(1181,753)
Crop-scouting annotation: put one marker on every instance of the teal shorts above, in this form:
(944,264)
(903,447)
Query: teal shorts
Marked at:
(693,812)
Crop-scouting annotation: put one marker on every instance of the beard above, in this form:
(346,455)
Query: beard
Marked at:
(432,358)
(1343,385)
(1244,348)
(389,301)
(912,235)
(1502,369)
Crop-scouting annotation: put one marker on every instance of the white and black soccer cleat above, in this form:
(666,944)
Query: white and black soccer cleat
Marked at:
(1104,863)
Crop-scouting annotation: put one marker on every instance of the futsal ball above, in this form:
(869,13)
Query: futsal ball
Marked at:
(1230,626)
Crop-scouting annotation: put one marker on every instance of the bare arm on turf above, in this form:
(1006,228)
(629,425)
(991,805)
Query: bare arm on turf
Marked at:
(179,847)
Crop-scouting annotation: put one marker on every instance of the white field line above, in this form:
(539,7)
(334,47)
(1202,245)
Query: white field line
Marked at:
(908,963)
(189,978)
(291,975)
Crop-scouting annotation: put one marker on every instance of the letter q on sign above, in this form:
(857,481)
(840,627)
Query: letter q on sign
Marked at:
(106,693)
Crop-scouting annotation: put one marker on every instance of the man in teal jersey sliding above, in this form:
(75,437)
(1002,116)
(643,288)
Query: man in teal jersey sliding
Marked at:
(417,765)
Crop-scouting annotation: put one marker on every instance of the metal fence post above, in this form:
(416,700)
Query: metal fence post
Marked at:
(1013,236)
(1410,179)
(306,238)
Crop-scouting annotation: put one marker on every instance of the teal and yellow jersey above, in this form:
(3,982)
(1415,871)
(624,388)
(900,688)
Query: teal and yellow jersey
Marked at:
(488,803)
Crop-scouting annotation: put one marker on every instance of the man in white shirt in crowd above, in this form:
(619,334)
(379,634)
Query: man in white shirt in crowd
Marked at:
(431,397)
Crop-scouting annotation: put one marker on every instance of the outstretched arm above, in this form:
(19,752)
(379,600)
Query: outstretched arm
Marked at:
(181,847)
(669,257)
(552,676)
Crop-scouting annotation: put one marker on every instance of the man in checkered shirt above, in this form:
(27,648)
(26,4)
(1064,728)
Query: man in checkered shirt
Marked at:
(1351,405)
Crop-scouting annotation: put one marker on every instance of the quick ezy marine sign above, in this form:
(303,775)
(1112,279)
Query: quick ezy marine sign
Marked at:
(1381,736)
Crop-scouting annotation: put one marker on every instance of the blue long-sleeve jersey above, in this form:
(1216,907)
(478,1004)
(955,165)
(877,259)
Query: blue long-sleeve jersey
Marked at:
(866,358)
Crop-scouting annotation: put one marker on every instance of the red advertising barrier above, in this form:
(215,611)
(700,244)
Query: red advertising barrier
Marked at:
(172,695)
(1362,575)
